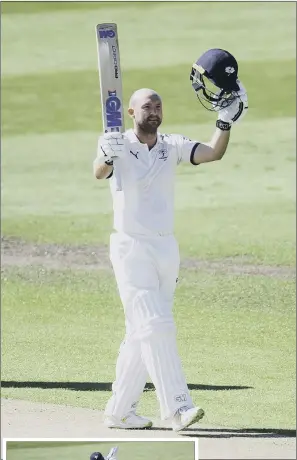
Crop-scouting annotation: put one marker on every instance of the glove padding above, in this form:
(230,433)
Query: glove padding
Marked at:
(237,110)
(111,146)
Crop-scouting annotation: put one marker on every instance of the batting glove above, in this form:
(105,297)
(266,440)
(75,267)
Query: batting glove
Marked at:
(111,146)
(235,112)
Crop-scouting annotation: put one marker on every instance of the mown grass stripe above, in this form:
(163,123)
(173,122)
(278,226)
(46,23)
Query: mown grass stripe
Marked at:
(178,33)
(66,101)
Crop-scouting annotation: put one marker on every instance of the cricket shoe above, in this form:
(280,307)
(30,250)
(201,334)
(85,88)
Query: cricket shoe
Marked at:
(130,422)
(185,417)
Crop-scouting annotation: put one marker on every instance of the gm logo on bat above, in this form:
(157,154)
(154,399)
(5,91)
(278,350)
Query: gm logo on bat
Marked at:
(113,110)
(103,33)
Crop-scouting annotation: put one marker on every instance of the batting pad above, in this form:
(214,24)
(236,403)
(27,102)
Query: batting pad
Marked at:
(157,335)
(160,354)
(131,377)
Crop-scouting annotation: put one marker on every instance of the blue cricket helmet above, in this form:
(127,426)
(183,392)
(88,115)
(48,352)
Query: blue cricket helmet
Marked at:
(97,456)
(220,68)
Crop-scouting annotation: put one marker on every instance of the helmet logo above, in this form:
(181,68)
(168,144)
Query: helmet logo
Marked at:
(229,70)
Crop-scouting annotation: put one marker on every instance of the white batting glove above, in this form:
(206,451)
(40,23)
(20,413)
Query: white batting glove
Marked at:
(111,146)
(112,454)
(236,111)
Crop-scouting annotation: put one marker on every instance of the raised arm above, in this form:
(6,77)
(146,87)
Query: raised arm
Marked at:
(216,148)
(213,150)
(102,171)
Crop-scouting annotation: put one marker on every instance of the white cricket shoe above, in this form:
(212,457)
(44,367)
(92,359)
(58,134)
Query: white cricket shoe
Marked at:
(185,417)
(132,421)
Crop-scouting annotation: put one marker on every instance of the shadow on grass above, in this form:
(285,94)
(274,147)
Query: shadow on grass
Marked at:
(240,433)
(105,386)
(233,432)
(189,432)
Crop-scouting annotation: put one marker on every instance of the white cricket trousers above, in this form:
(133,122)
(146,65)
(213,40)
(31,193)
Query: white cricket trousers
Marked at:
(146,271)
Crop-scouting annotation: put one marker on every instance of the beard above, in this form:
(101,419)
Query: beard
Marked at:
(150,126)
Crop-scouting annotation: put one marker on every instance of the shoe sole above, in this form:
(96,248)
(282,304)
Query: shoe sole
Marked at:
(117,427)
(199,415)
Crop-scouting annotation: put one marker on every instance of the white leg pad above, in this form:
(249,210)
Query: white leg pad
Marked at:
(157,334)
(131,377)
(147,299)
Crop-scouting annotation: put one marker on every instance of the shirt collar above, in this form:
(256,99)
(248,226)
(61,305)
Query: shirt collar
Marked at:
(134,139)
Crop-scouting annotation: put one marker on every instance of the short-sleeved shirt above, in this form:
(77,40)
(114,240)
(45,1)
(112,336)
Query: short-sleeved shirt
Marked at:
(142,184)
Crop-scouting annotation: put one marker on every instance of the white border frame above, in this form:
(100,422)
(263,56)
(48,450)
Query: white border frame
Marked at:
(144,1)
(110,440)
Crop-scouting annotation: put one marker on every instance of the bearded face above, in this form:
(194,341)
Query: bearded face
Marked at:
(147,113)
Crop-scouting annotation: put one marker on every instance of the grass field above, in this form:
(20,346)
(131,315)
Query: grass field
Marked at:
(81,451)
(236,311)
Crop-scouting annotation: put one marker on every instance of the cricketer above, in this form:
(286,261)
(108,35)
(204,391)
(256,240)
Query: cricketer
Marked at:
(140,165)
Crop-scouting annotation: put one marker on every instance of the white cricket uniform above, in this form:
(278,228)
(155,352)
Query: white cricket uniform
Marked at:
(145,259)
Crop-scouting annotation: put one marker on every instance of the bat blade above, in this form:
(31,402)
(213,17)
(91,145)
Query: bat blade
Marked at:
(110,77)
(112,453)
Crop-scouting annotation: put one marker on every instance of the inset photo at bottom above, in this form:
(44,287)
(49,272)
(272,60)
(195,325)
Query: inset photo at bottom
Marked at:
(128,449)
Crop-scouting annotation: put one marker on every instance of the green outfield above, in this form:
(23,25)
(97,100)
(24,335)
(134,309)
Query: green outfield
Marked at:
(235,220)
(81,451)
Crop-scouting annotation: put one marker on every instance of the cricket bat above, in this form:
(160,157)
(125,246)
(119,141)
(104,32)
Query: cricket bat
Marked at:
(110,78)
(112,454)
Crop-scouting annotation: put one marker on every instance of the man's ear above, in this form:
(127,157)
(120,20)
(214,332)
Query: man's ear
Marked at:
(131,112)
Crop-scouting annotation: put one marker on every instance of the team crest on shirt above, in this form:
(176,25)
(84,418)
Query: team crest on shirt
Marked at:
(163,154)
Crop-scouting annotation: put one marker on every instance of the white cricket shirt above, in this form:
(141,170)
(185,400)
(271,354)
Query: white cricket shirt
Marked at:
(142,184)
